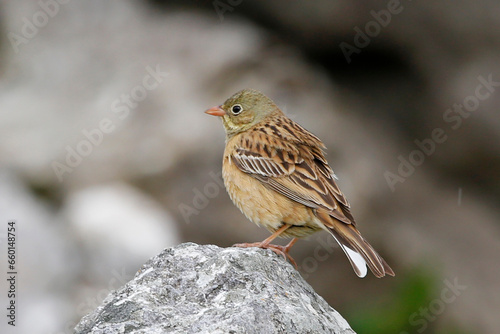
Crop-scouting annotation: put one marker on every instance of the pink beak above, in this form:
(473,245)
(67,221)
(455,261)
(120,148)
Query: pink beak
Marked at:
(215,111)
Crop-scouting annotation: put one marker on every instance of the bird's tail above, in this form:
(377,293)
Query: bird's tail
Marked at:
(359,252)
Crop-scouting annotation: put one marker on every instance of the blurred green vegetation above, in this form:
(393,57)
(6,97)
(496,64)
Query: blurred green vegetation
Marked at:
(406,311)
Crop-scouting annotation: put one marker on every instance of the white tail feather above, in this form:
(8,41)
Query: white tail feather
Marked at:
(357,261)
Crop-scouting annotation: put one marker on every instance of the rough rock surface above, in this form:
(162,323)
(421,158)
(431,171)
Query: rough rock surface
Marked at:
(207,289)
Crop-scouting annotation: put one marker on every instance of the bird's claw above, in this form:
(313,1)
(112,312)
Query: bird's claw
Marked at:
(278,249)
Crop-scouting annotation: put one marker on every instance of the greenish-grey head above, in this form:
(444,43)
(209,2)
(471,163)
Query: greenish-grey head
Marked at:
(243,110)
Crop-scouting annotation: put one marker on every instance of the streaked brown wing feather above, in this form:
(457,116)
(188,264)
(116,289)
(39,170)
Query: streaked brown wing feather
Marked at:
(288,159)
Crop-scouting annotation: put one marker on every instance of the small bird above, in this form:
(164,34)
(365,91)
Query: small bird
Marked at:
(276,173)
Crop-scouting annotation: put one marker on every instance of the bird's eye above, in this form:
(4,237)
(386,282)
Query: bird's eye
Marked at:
(236,109)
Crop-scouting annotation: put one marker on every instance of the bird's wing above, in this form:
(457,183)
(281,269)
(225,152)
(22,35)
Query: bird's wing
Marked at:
(293,164)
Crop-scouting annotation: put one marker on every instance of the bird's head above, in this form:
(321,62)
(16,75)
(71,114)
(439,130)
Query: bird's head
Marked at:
(244,110)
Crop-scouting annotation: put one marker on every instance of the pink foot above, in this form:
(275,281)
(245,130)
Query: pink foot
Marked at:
(278,249)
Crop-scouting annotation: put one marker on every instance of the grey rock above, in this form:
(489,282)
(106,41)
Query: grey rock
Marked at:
(207,289)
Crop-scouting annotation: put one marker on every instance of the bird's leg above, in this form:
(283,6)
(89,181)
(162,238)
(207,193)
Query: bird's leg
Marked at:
(283,250)
(290,244)
(266,242)
(278,249)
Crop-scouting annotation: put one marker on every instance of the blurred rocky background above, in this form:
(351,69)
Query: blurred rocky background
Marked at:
(107,158)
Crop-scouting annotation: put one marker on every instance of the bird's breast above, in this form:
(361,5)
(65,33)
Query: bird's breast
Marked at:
(264,206)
